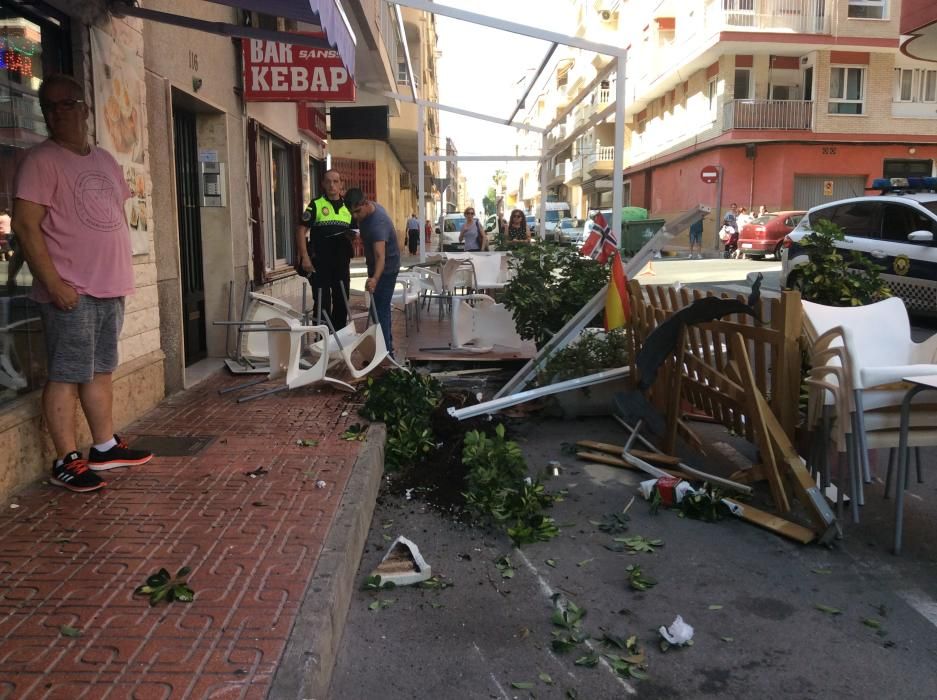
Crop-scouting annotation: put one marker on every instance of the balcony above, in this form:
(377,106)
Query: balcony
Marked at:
(791,115)
(794,16)
(558,174)
(574,174)
(601,160)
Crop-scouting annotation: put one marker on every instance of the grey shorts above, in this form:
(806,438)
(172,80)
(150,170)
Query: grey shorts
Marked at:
(82,342)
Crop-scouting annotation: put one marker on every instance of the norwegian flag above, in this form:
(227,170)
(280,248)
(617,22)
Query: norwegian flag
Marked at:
(601,243)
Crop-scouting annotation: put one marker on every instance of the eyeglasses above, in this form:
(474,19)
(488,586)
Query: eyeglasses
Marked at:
(470,212)
(66,105)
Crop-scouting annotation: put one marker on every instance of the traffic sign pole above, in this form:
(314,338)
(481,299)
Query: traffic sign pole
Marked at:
(718,207)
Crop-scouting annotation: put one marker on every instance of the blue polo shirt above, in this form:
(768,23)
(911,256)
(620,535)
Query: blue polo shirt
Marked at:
(380,227)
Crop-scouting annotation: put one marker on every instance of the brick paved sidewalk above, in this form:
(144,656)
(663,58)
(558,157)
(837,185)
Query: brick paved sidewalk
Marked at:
(252,544)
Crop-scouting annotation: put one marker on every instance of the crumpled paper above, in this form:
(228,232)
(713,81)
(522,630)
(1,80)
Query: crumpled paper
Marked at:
(678,634)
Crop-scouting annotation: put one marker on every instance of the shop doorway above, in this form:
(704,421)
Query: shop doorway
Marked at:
(195,342)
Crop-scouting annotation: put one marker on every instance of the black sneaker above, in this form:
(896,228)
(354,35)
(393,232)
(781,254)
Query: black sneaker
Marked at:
(120,455)
(73,474)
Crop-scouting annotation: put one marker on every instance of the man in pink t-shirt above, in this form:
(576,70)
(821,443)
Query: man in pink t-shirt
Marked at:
(68,214)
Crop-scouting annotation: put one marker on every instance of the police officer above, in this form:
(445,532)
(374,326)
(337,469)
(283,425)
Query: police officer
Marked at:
(324,246)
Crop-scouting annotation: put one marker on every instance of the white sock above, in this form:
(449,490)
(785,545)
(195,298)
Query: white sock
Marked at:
(105,446)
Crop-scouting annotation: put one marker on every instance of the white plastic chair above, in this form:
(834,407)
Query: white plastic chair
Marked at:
(260,308)
(286,339)
(479,324)
(490,272)
(868,349)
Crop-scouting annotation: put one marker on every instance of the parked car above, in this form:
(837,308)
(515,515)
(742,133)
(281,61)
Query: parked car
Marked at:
(765,235)
(895,230)
(532,225)
(569,231)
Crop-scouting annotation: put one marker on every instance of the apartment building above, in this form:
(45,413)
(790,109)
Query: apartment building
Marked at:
(796,102)
(219,174)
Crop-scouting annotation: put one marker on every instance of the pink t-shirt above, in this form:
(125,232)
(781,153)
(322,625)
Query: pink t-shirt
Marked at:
(85,226)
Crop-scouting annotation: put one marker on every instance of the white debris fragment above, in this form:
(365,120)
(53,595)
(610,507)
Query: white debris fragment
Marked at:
(408,494)
(320,484)
(14,505)
(678,634)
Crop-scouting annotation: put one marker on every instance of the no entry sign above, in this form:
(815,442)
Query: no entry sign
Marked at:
(709,174)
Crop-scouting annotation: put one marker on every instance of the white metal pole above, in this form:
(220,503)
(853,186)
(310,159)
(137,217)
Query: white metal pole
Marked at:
(544,174)
(421,166)
(618,162)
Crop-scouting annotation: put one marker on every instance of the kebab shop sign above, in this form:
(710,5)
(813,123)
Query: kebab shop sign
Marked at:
(278,72)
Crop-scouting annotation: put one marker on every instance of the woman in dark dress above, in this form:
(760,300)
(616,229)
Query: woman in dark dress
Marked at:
(518,232)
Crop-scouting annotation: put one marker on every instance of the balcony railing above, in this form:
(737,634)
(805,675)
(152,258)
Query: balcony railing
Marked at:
(768,114)
(796,16)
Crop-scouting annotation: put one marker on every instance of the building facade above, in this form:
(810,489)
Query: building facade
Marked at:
(795,102)
(218,180)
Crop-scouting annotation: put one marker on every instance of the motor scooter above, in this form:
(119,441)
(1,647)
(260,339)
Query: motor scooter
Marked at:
(730,238)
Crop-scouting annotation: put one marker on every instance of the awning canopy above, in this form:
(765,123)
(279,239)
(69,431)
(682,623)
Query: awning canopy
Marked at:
(328,14)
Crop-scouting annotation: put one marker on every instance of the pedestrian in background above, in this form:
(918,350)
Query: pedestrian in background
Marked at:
(381,254)
(76,241)
(472,234)
(696,238)
(413,234)
(518,232)
(324,246)
(761,211)
(428,232)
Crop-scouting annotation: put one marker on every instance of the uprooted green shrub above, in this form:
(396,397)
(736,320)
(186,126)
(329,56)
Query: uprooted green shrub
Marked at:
(498,488)
(403,401)
(550,285)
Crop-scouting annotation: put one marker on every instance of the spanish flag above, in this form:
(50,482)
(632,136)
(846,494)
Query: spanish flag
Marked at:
(617,300)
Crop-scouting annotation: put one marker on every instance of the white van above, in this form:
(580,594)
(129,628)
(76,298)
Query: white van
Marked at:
(449,227)
(554,212)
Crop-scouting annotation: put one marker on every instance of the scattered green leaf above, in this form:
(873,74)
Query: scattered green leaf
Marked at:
(727,639)
(589,660)
(637,580)
(639,544)
(871,622)
(307,443)
(584,562)
(355,431)
(375,583)
(550,562)
(612,523)
(162,586)
(505,567)
(436,583)
(69,631)
(827,609)
(545,677)
(715,607)
(522,685)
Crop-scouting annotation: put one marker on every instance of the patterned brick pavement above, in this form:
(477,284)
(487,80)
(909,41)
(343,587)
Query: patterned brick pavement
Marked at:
(252,544)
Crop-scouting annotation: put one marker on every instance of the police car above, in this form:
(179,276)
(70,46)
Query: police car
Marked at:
(896,231)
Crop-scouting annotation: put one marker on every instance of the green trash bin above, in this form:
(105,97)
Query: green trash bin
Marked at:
(635,233)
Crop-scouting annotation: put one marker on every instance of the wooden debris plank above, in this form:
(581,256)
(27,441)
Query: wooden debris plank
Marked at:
(616,450)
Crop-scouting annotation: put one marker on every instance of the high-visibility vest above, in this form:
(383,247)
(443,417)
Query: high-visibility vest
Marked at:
(320,212)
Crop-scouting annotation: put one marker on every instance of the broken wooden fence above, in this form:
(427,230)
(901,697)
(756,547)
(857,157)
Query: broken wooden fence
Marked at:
(702,382)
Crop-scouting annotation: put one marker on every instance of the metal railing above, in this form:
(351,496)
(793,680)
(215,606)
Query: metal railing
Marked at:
(768,114)
(796,16)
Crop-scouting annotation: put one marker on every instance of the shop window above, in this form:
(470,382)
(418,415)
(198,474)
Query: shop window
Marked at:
(279,205)
(34,42)
(846,90)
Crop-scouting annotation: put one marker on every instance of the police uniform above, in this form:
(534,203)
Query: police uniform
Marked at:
(330,251)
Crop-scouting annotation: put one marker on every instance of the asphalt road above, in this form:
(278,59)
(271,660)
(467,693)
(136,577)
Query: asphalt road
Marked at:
(772,618)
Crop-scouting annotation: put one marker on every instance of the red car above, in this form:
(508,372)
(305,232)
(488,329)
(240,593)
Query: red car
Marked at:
(764,235)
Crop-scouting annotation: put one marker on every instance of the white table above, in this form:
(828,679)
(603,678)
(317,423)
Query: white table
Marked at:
(919,384)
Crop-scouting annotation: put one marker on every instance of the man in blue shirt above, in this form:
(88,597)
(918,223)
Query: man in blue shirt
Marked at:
(381,253)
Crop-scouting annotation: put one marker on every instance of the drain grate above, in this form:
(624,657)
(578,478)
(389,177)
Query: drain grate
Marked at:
(166,446)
